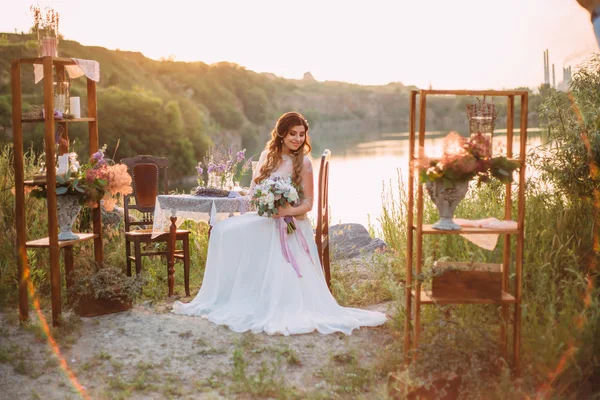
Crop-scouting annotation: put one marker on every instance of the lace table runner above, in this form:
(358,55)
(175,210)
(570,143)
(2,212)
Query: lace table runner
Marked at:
(484,241)
(89,68)
(195,208)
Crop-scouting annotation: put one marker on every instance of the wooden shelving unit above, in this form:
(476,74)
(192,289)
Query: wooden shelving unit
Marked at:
(50,64)
(418,297)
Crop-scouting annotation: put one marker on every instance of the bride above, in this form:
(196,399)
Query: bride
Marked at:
(248,283)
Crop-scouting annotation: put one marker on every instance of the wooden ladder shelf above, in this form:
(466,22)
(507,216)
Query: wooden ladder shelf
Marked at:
(414,259)
(50,64)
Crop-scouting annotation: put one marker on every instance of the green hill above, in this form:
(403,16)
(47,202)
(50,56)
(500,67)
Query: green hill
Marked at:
(178,109)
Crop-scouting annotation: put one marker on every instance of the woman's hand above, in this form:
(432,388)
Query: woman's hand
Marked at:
(284,211)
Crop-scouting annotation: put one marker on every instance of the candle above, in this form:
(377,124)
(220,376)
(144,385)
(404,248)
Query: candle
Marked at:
(63,164)
(75,107)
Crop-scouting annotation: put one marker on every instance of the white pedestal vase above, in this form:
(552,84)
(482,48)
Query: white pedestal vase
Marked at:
(68,208)
(446,200)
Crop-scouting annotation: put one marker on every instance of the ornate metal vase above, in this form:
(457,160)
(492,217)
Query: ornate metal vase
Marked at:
(68,208)
(446,200)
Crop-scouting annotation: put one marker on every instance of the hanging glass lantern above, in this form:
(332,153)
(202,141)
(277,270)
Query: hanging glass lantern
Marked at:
(482,119)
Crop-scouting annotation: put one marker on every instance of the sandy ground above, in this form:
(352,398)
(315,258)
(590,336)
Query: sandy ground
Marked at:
(149,353)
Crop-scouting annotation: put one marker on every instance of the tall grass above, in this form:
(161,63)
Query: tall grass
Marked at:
(560,309)
(560,351)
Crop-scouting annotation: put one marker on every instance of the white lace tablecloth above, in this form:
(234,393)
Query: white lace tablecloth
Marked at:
(195,208)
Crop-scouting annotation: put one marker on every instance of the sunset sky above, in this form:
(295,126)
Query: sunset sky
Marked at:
(450,44)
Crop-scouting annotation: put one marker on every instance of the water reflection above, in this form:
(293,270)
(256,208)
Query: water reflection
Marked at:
(358,174)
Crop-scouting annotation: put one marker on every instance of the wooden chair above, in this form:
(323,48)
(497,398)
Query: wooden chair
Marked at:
(322,231)
(145,172)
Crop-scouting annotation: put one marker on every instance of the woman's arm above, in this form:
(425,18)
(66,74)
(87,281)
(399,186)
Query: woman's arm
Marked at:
(308,192)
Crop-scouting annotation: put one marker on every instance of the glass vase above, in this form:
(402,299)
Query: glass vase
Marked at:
(62,97)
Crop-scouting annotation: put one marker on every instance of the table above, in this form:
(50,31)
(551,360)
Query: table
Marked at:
(172,210)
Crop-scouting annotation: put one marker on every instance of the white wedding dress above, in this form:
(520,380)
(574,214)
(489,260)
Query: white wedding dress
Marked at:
(249,286)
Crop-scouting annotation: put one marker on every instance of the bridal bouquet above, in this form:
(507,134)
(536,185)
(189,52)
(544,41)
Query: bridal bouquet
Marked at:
(274,192)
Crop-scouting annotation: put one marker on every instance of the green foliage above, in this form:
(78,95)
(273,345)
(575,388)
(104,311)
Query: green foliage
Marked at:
(572,124)
(142,124)
(104,282)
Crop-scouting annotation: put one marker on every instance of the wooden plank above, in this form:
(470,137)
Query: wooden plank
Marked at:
(427,229)
(22,261)
(45,242)
(51,194)
(461,279)
(427,298)
(520,237)
(510,122)
(509,158)
(410,216)
(68,257)
(94,147)
(63,121)
(475,92)
(40,60)
(419,232)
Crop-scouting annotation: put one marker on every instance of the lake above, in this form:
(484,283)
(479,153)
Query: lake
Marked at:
(360,172)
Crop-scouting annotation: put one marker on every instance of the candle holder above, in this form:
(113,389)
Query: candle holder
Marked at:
(482,119)
(62,96)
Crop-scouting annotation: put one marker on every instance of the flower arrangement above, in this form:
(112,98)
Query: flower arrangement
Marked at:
(274,192)
(45,22)
(224,167)
(99,179)
(465,159)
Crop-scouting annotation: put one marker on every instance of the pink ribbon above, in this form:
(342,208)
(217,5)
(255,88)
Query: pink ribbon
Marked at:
(285,247)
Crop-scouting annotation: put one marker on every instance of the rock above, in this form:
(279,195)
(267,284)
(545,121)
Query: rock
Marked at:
(352,240)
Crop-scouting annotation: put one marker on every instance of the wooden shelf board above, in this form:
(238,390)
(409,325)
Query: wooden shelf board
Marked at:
(59,120)
(34,183)
(40,60)
(416,158)
(426,298)
(45,242)
(428,230)
(476,92)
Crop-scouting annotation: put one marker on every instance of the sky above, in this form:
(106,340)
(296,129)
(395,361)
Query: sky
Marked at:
(459,44)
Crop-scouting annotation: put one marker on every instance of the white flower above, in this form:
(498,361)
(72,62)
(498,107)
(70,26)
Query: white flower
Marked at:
(292,196)
(270,198)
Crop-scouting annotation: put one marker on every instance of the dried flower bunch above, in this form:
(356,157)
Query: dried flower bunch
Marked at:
(223,163)
(465,159)
(99,179)
(45,23)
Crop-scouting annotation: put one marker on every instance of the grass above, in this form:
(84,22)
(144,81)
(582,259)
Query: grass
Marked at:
(560,313)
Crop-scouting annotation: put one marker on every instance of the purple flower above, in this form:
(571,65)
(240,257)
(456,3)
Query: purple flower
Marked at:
(211,167)
(240,155)
(98,156)
(199,169)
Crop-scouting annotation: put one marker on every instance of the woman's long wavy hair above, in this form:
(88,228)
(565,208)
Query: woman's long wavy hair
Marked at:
(283,126)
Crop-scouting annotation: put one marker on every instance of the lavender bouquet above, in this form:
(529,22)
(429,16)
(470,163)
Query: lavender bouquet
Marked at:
(224,167)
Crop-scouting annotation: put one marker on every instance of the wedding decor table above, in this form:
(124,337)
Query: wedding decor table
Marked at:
(172,210)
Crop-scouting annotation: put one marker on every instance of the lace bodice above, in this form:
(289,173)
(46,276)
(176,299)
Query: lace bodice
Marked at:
(285,170)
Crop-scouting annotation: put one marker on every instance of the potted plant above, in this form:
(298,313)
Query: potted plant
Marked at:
(45,25)
(98,289)
(464,159)
(100,180)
